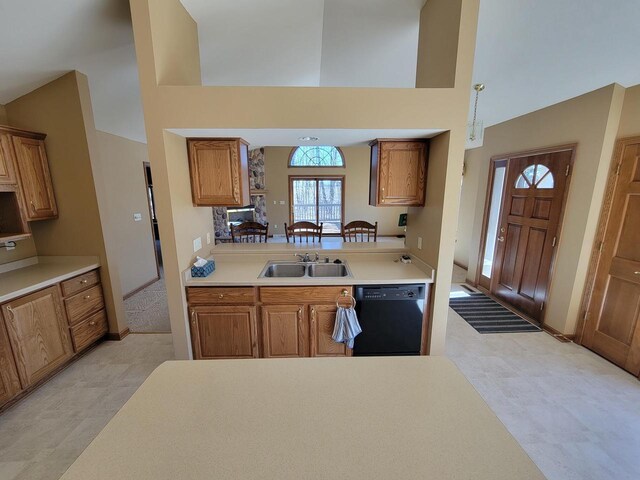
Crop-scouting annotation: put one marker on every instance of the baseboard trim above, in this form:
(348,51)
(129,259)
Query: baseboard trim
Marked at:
(561,337)
(116,337)
(140,288)
(457,264)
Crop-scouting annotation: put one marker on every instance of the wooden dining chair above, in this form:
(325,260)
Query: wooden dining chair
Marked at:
(302,230)
(359,231)
(249,232)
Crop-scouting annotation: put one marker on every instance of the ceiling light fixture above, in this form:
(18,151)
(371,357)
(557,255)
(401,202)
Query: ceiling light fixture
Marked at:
(475,126)
(308,139)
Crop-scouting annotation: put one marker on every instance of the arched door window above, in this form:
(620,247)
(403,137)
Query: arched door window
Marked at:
(316,156)
(536,175)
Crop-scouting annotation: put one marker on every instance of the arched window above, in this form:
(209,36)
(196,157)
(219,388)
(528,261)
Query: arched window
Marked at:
(537,176)
(316,156)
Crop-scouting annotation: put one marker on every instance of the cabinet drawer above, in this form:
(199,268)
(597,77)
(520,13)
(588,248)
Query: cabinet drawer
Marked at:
(88,331)
(220,295)
(81,282)
(287,295)
(84,303)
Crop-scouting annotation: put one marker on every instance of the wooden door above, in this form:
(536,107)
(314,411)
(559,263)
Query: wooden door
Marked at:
(35,178)
(323,318)
(612,326)
(219,172)
(39,334)
(532,208)
(403,169)
(224,332)
(7,170)
(285,331)
(9,382)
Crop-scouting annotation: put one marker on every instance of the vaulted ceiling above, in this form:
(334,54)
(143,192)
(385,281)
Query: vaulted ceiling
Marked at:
(529,54)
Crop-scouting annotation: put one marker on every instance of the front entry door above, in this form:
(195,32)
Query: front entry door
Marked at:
(534,194)
(612,326)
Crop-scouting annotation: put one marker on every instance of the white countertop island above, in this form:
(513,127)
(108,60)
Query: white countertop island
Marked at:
(329,418)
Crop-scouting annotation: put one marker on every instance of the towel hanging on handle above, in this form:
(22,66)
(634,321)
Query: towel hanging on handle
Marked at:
(346,327)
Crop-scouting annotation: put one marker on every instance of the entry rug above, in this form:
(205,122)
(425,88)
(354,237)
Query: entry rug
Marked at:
(488,316)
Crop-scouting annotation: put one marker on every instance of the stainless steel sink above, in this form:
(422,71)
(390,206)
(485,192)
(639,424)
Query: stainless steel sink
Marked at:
(288,269)
(280,270)
(327,270)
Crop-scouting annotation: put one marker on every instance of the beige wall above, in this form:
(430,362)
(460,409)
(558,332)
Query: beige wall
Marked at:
(356,190)
(62,109)
(3,115)
(124,179)
(164,35)
(591,121)
(630,119)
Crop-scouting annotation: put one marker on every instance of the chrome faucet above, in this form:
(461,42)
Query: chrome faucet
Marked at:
(306,258)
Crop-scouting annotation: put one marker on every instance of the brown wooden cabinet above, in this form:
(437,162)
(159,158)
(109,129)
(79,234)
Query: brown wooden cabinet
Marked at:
(39,334)
(285,331)
(219,171)
(7,164)
(398,172)
(9,382)
(224,331)
(322,321)
(35,179)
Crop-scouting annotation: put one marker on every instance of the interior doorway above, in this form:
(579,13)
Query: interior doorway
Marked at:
(525,203)
(152,215)
(612,295)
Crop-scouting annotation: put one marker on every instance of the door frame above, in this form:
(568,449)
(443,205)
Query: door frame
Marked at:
(485,220)
(311,176)
(605,213)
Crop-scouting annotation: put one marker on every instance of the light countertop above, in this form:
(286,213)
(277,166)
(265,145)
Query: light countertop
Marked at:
(317,418)
(41,272)
(367,268)
(328,245)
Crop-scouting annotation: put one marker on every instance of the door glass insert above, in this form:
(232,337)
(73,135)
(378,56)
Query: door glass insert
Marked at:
(536,175)
(492,225)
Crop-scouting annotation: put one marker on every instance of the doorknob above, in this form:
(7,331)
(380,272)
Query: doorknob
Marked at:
(501,239)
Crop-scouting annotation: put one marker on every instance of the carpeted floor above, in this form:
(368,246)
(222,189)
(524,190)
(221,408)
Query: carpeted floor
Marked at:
(147,311)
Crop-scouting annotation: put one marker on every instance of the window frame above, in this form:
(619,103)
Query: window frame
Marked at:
(341,178)
(293,150)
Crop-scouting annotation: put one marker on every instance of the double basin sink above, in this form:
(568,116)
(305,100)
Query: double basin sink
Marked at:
(284,269)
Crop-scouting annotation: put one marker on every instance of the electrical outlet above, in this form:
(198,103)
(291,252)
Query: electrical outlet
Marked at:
(137,217)
(208,238)
(419,243)
(275,203)
(281,202)
(197,244)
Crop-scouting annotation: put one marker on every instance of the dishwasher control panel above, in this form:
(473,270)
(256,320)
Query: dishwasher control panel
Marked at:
(401,292)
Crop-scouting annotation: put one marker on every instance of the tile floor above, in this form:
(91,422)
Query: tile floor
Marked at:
(574,413)
(44,434)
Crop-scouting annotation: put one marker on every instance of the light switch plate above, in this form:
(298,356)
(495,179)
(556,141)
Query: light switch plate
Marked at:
(137,217)
(281,202)
(197,244)
(419,243)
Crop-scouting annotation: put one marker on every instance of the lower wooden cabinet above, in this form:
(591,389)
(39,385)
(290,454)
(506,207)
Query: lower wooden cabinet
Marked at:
(224,332)
(39,333)
(9,382)
(323,318)
(285,331)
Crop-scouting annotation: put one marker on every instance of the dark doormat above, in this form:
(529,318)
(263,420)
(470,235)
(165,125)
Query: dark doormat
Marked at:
(488,316)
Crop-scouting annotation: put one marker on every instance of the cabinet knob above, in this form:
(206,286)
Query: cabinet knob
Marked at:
(221,295)
(84,282)
(87,297)
(92,323)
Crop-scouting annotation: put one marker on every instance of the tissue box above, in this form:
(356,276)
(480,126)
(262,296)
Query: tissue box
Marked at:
(204,271)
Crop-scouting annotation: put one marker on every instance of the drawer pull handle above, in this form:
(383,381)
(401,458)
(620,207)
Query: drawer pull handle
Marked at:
(10,310)
(87,297)
(221,295)
(92,323)
(84,282)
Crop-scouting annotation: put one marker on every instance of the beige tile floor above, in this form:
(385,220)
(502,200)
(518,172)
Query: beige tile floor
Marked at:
(575,414)
(42,435)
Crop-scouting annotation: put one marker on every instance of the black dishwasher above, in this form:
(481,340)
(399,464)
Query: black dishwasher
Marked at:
(391,319)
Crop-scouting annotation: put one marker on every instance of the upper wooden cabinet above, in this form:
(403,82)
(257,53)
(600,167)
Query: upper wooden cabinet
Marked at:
(7,165)
(398,173)
(39,334)
(35,179)
(219,170)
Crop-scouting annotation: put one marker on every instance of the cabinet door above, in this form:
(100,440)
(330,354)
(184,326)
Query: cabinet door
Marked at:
(403,168)
(7,165)
(39,334)
(35,179)
(9,383)
(219,172)
(285,331)
(323,319)
(224,332)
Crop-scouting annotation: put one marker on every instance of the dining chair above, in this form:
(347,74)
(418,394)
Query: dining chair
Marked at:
(359,231)
(303,230)
(249,232)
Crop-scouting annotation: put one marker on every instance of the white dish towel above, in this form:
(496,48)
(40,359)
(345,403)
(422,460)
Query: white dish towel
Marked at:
(346,327)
